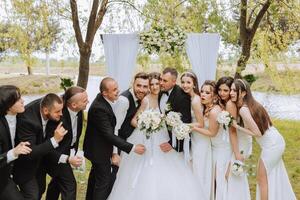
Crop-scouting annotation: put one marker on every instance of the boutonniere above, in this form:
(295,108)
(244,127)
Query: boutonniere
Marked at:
(168,107)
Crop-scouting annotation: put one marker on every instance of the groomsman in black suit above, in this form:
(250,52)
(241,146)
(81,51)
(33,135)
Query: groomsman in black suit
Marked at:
(100,139)
(29,171)
(59,161)
(173,98)
(129,102)
(11,104)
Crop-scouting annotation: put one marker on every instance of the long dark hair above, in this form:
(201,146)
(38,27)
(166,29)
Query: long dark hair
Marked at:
(227,80)
(212,85)
(258,112)
(9,95)
(193,76)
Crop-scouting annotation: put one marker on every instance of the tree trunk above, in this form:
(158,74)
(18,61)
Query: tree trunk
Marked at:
(47,63)
(84,66)
(29,70)
(244,57)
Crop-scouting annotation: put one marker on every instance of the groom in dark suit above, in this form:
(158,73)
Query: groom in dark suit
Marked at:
(173,98)
(100,139)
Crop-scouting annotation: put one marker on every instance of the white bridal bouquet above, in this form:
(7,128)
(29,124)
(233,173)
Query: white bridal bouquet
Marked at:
(173,119)
(237,168)
(225,119)
(150,121)
(182,131)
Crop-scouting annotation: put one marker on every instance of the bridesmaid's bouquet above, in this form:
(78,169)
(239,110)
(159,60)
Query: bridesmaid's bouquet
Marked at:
(173,119)
(150,121)
(224,118)
(182,131)
(237,168)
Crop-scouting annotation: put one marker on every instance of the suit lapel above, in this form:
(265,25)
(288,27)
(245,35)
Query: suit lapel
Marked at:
(172,96)
(109,108)
(68,120)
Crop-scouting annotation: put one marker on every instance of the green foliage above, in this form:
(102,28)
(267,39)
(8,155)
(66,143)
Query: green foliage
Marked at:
(65,83)
(250,78)
(32,26)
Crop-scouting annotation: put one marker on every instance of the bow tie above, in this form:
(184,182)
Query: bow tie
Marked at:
(165,92)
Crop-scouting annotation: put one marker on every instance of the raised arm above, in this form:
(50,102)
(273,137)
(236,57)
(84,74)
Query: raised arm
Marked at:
(213,127)
(251,127)
(232,109)
(197,109)
(107,130)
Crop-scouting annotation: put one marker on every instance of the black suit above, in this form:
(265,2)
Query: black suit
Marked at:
(29,171)
(180,102)
(98,147)
(63,179)
(8,189)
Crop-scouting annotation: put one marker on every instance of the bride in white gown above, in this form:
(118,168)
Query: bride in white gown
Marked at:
(155,175)
(273,182)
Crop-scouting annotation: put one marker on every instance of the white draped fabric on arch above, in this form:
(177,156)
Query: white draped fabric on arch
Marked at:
(202,50)
(120,55)
(121,52)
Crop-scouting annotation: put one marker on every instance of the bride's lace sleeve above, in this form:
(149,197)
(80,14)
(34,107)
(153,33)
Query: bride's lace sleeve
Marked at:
(144,106)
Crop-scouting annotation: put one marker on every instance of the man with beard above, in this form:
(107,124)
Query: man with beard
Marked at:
(29,172)
(59,161)
(125,109)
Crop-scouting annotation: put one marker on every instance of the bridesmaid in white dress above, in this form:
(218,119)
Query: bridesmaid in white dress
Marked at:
(239,142)
(221,150)
(273,182)
(201,144)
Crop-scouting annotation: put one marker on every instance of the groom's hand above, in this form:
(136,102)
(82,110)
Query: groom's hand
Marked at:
(115,159)
(139,149)
(165,147)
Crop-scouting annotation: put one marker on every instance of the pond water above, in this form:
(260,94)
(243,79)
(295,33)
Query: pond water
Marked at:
(278,106)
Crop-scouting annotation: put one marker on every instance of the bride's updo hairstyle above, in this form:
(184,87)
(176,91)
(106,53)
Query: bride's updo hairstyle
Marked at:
(193,76)
(153,75)
(258,112)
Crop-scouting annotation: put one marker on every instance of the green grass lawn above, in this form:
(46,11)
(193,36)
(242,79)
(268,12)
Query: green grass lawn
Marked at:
(289,129)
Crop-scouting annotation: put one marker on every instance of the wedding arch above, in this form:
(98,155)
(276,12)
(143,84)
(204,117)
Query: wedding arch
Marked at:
(121,52)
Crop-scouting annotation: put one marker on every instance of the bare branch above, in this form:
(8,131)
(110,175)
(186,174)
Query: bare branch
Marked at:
(180,4)
(76,25)
(259,16)
(251,13)
(133,6)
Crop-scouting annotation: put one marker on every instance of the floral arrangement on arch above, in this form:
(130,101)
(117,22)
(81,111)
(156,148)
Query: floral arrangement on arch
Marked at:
(161,38)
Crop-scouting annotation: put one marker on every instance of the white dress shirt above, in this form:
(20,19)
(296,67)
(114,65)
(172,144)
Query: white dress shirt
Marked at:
(73,115)
(74,119)
(163,101)
(12,123)
(44,123)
